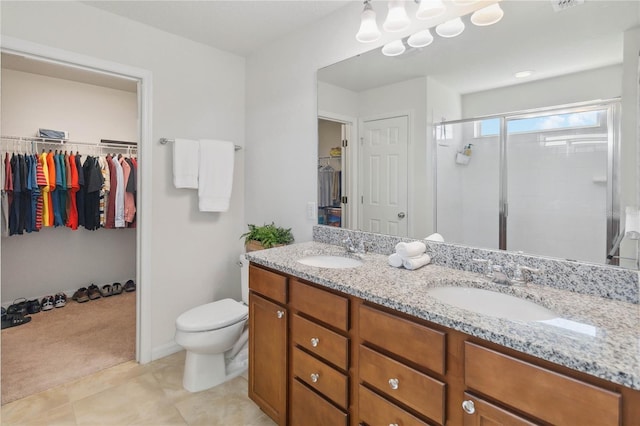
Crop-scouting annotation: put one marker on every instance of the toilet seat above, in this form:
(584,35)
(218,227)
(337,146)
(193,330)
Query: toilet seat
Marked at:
(212,316)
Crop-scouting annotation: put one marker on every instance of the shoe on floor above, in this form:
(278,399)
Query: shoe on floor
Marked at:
(60,300)
(47,303)
(129,286)
(19,307)
(81,295)
(12,320)
(116,288)
(106,290)
(94,292)
(33,306)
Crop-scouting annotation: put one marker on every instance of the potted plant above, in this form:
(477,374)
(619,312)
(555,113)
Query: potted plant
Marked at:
(266,236)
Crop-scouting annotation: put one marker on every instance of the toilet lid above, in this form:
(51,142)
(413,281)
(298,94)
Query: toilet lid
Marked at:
(212,316)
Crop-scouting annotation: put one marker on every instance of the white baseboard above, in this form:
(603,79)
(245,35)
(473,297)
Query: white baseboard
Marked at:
(167,349)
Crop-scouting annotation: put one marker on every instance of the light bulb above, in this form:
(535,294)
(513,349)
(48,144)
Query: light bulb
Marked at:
(430,9)
(393,48)
(487,15)
(451,28)
(368,31)
(420,39)
(397,19)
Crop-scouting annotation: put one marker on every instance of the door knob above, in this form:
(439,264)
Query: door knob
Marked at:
(401,215)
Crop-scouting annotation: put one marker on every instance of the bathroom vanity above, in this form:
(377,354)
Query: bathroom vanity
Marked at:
(367,345)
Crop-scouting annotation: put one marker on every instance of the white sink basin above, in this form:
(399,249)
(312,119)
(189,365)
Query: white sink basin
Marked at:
(492,303)
(333,262)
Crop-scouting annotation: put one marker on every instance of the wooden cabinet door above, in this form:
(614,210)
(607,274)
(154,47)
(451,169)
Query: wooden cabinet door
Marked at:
(268,357)
(479,412)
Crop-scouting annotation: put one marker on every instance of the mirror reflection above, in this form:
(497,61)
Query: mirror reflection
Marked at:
(518,136)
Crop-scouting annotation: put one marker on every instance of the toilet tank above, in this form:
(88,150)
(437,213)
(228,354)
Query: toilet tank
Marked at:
(244,278)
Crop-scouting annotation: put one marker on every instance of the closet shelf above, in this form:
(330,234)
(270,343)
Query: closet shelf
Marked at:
(47,141)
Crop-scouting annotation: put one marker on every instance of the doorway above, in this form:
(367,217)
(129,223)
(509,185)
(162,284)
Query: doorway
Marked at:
(142,79)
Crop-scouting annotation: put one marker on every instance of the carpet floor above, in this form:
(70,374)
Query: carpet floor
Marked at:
(64,344)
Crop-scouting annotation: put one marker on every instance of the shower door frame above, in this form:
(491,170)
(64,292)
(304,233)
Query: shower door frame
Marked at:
(612,106)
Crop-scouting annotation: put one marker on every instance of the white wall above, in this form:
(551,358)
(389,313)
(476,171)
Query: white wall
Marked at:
(198,92)
(89,113)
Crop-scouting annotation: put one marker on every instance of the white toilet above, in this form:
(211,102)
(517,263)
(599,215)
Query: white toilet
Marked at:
(215,337)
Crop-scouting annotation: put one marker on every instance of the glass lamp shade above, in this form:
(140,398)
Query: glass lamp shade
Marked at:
(397,19)
(430,9)
(487,15)
(368,31)
(451,28)
(393,48)
(420,39)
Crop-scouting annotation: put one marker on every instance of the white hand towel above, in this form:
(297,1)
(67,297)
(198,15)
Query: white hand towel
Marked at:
(215,177)
(395,260)
(412,263)
(185,163)
(413,249)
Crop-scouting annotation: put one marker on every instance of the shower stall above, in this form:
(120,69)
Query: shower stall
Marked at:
(542,182)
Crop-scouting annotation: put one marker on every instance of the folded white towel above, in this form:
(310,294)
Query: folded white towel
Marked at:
(412,249)
(215,178)
(185,163)
(412,263)
(435,237)
(395,260)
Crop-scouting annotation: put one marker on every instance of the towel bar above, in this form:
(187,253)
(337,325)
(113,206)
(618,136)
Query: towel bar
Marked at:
(164,141)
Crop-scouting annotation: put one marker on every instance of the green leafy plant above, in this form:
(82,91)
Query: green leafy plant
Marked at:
(269,235)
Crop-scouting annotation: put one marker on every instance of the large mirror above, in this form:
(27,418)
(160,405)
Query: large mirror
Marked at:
(522,135)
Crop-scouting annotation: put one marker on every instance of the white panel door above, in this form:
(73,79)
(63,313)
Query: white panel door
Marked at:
(384,183)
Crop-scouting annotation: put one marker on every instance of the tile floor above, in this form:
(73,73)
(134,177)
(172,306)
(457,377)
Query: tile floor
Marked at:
(129,394)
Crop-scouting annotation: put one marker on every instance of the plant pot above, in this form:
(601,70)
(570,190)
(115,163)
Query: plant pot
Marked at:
(253,245)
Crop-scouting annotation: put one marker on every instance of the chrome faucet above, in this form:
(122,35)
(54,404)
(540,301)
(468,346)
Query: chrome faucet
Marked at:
(352,248)
(524,274)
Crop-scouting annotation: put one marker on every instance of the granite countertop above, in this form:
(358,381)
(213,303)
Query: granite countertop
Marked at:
(600,338)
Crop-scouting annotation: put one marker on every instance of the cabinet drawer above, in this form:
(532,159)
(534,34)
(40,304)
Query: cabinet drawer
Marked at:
(320,304)
(412,388)
(320,341)
(267,283)
(484,413)
(542,393)
(377,411)
(309,409)
(328,381)
(414,342)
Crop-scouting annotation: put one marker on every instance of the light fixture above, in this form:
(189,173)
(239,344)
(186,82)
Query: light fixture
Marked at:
(393,48)
(451,28)
(397,19)
(420,39)
(368,31)
(523,74)
(487,16)
(430,9)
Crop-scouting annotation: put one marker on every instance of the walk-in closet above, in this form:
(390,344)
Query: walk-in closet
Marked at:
(69,147)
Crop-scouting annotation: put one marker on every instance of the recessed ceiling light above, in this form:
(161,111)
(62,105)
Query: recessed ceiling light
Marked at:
(523,74)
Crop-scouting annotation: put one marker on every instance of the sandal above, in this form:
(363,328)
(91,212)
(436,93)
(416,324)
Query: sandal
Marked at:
(116,288)
(129,286)
(14,320)
(94,292)
(106,290)
(81,295)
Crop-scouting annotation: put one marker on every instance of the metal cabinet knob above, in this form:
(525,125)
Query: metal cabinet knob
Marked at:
(401,215)
(314,377)
(468,406)
(280,314)
(393,383)
(393,424)
(315,341)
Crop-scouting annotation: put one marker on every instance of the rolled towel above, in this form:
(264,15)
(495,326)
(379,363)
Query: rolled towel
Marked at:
(395,260)
(413,249)
(412,263)
(435,237)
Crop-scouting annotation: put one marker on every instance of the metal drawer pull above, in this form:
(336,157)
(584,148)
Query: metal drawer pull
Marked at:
(394,383)
(314,377)
(315,341)
(393,424)
(280,314)
(468,406)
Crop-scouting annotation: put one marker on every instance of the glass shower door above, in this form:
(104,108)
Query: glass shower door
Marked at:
(556,183)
